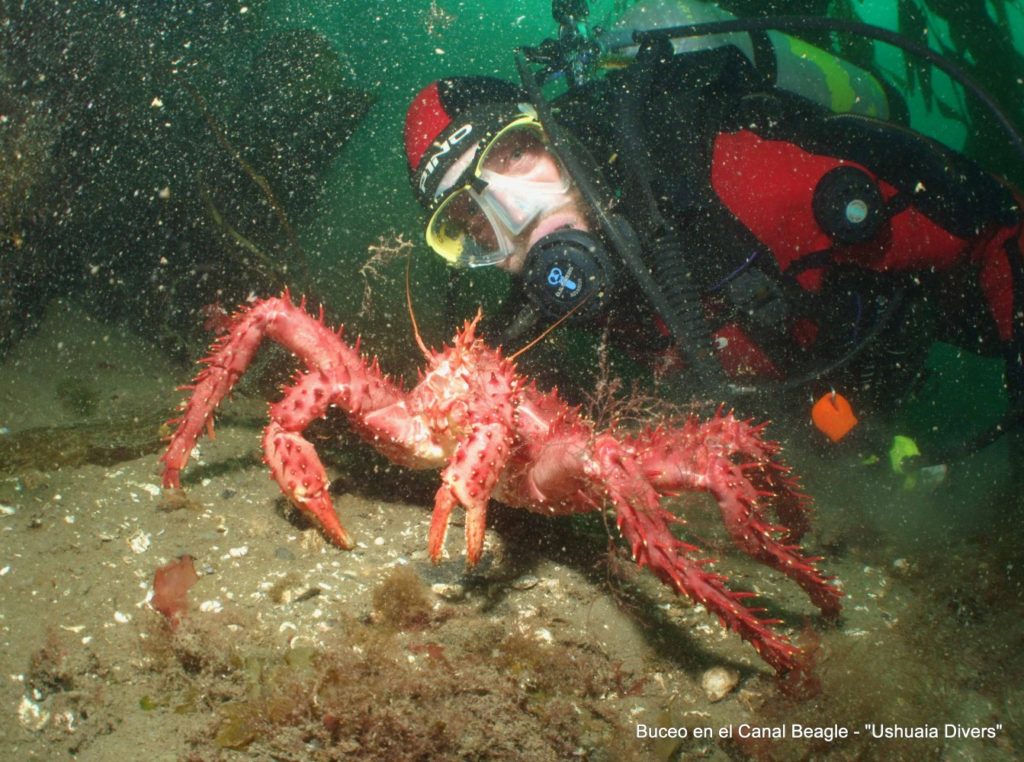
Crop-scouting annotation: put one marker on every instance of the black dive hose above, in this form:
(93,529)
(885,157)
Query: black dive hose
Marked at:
(663,248)
(778,387)
(700,358)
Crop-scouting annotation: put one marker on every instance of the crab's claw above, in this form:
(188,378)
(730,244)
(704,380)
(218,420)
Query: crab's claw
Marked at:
(298,471)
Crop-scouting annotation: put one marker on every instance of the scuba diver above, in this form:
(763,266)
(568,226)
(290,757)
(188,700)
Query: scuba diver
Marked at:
(708,215)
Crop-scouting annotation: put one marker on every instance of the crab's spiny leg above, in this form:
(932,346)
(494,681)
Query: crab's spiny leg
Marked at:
(469,479)
(293,461)
(645,525)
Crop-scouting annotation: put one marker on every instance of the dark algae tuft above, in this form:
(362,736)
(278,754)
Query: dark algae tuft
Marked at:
(404,683)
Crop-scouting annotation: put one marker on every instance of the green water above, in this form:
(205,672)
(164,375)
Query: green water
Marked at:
(141,177)
(140,115)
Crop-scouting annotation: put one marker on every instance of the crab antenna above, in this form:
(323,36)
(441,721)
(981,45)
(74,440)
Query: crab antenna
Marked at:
(547,330)
(408,302)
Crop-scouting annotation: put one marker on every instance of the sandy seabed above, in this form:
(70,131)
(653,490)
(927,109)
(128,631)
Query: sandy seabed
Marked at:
(553,648)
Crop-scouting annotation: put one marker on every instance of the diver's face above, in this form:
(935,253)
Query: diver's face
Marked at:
(569,214)
(527,196)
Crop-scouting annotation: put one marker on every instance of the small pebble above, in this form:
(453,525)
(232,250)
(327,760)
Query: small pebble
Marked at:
(718,682)
(901,566)
(526,582)
(450,592)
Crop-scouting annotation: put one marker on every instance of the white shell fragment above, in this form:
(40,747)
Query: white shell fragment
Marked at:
(718,682)
(139,542)
(154,490)
(31,715)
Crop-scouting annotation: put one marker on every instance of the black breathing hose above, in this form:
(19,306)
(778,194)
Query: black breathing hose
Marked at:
(698,357)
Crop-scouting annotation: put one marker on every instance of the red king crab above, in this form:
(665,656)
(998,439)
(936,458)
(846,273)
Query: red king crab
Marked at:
(496,435)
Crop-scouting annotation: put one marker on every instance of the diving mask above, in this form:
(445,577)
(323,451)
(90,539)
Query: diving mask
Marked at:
(493,193)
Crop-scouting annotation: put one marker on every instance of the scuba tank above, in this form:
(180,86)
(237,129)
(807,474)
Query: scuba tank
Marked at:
(797,66)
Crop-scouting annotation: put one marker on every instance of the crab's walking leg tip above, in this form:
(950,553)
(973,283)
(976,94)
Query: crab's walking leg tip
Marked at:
(444,502)
(476,525)
(339,537)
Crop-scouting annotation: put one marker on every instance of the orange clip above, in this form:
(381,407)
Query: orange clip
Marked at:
(833,416)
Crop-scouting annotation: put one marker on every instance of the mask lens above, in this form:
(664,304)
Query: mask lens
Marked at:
(515,179)
(461,231)
(511,150)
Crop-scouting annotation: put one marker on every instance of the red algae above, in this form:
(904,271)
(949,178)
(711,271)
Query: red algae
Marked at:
(171,584)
